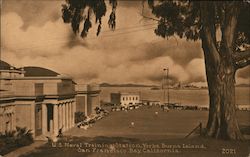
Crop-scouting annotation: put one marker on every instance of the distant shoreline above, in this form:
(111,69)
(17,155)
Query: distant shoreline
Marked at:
(203,88)
(157,86)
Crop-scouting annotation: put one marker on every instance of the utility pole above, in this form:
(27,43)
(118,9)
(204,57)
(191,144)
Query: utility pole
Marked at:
(167,81)
(163,86)
(168,84)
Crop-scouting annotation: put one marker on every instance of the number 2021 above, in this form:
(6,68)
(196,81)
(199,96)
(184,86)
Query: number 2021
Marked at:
(228,151)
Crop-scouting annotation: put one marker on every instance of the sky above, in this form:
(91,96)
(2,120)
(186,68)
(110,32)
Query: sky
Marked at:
(33,34)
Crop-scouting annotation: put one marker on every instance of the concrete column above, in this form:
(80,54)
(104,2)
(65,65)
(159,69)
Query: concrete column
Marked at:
(63,117)
(44,119)
(32,118)
(70,118)
(14,117)
(66,115)
(59,118)
(86,105)
(11,121)
(1,123)
(71,115)
(71,122)
(55,119)
(73,112)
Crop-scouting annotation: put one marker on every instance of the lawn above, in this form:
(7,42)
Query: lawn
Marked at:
(152,135)
(148,125)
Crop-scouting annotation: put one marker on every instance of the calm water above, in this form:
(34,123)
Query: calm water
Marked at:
(189,97)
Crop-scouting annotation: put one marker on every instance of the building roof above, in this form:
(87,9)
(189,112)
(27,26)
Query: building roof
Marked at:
(4,65)
(31,71)
(130,93)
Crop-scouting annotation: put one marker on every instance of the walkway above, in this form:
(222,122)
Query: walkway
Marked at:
(25,149)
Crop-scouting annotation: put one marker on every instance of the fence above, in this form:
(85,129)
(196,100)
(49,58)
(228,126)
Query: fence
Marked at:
(196,128)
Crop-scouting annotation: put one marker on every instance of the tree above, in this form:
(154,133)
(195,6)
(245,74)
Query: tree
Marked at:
(222,27)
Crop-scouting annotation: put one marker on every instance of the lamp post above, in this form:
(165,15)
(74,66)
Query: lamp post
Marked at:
(163,86)
(165,81)
(167,73)
(168,84)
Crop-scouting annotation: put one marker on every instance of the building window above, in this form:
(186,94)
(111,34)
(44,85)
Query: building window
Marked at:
(38,89)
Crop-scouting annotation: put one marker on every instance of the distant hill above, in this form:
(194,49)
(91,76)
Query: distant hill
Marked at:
(157,87)
(125,85)
(243,85)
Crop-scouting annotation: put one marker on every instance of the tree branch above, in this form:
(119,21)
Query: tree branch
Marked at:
(147,17)
(243,55)
(150,18)
(242,64)
(207,37)
(242,59)
(229,27)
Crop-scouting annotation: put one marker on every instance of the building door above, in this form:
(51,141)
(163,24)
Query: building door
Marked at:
(94,103)
(38,119)
(50,117)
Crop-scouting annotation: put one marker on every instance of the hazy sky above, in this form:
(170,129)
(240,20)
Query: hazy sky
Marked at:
(33,34)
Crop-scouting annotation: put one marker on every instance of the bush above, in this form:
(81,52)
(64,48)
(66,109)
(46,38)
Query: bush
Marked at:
(79,117)
(23,136)
(97,110)
(12,140)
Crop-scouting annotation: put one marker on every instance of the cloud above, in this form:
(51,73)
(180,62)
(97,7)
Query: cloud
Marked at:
(196,70)
(130,54)
(32,11)
(243,76)
(244,73)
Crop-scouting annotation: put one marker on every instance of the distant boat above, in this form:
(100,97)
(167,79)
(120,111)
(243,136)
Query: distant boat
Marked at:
(155,88)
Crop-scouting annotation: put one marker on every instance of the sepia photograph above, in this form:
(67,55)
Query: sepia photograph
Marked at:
(124,78)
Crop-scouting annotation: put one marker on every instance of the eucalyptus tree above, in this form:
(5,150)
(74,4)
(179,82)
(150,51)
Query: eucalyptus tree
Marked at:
(223,27)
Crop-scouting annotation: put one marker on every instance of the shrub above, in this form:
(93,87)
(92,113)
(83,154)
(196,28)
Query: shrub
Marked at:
(97,110)
(23,136)
(12,140)
(79,117)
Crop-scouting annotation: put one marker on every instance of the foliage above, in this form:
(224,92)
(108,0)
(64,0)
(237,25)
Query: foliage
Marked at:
(77,11)
(12,140)
(79,117)
(183,18)
(97,110)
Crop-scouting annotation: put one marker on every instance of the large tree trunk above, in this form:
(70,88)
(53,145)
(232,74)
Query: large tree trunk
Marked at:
(220,72)
(222,122)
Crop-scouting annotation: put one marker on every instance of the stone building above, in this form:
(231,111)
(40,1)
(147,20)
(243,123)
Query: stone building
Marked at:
(42,100)
(87,98)
(36,98)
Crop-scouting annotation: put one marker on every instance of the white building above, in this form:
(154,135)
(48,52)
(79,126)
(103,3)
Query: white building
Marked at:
(243,107)
(125,99)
